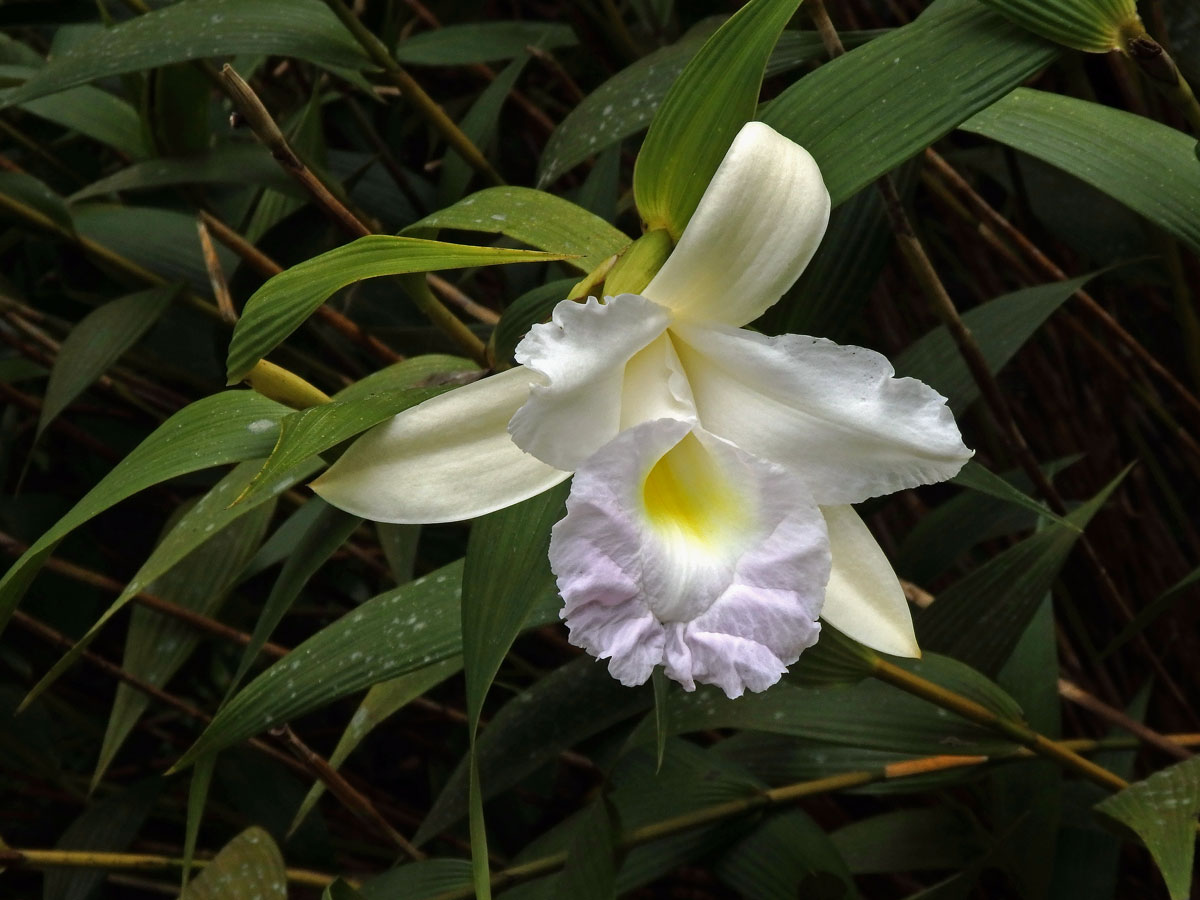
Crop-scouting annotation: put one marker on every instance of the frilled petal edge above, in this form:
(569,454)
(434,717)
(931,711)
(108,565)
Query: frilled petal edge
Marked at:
(447,459)
(755,230)
(835,415)
(864,599)
(581,354)
(680,549)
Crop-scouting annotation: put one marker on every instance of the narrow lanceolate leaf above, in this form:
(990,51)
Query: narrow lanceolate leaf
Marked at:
(572,703)
(390,635)
(535,218)
(1162,811)
(250,867)
(713,98)
(864,113)
(227,427)
(196,29)
(96,343)
(974,476)
(868,715)
(980,618)
(788,855)
(1095,26)
(305,434)
(279,307)
(505,574)
(157,645)
(1001,326)
(17,189)
(383,700)
(1149,167)
(108,825)
(464,45)
(88,110)
(243,164)
(214,512)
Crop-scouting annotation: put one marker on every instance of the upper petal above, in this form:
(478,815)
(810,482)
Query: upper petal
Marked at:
(446,459)
(836,416)
(864,599)
(581,354)
(756,228)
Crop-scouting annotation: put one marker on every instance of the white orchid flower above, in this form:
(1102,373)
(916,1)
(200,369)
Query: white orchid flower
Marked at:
(708,525)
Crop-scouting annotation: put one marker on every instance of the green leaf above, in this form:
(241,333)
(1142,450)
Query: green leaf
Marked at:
(242,164)
(331,528)
(980,618)
(1002,326)
(864,113)
(1148,614)
(866,715)
(390,635)
(1149,167)
(162,240)
(1162,811)
(306,433)
(25,190)
(975,477)
(591,869)
(788,856)
(383,700)
(158,645)
(698,119)
(279,307)
(250,867)
(419,880)
(620,107)
(214,512)
(909,840)
(98,341)
(464,45)
(572,703)
(626,103)
(88,110)
(1094,26)
(505,573)
(535,218)
(479,124)
(108,825)
(198,29)
(224,428)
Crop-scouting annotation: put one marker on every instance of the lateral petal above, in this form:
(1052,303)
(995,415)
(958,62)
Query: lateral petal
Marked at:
(447,459)
(864,599)
(581,354)
(756,228)
(678,548)
(835,415)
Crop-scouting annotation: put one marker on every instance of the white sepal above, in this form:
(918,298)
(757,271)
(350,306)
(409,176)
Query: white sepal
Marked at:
(864,599)
(449,458)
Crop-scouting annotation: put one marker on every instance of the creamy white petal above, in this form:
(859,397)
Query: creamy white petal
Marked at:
(835,415)
(726,554)
(755,230)
(582,354)
(655,386)
(447,459)
(864,600)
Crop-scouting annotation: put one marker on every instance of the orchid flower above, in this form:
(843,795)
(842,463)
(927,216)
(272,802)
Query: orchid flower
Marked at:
(709,522)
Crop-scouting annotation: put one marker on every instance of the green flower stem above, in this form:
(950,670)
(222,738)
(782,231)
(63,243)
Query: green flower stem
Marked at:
(414,93)
(975,712)
(417,287)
